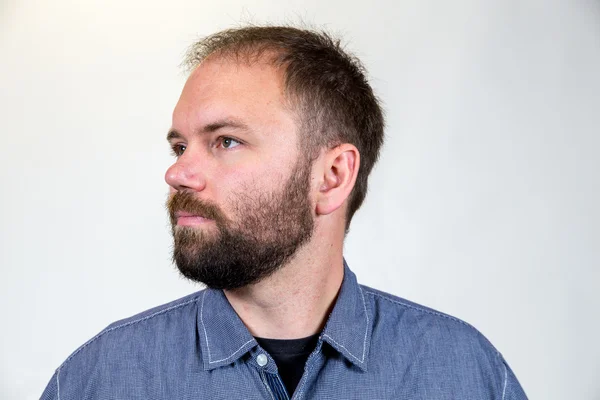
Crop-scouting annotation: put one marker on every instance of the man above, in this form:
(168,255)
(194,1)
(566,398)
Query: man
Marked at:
(275,134)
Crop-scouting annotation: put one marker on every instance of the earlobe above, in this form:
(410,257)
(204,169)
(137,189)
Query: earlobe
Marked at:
(338,179)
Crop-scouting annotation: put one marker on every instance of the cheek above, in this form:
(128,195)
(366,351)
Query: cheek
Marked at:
(249,179)
(249,185)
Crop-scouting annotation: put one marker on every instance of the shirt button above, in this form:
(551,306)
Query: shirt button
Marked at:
(261,360)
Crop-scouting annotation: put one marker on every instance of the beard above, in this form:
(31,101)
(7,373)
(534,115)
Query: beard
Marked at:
(267,233)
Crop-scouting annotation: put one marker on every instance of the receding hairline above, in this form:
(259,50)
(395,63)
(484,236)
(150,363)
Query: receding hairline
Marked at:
(251,53)
(254,39)
(271,50)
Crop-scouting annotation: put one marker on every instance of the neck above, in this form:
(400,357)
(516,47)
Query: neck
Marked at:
(296,300)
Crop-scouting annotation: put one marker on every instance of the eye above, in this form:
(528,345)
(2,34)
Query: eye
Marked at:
(228,143)
(178,149)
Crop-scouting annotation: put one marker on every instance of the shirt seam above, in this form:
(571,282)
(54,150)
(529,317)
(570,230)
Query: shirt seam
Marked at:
(301,389)
(423,310)
(505,381)
(57,384)
(114,328)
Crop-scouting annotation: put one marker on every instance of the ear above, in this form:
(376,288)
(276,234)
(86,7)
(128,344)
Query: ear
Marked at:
(338,177)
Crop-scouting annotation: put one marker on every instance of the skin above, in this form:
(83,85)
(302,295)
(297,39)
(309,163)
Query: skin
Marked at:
(223,100)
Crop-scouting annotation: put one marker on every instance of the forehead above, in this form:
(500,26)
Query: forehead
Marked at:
(221,88)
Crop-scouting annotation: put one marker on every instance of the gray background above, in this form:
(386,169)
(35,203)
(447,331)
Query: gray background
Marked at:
(484,204)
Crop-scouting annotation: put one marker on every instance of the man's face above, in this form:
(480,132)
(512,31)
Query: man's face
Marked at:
(239,199)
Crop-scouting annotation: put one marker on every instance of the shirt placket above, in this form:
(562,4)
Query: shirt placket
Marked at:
(269,375)
(313,363)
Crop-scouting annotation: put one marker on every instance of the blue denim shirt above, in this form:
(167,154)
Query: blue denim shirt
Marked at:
(374,346)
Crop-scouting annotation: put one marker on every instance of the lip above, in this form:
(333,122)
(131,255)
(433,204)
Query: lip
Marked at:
(189,219)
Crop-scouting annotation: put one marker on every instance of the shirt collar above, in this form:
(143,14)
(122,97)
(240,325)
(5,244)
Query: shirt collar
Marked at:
(348,329)
(224,338)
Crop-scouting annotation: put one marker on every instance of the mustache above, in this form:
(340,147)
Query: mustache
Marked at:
(187,202)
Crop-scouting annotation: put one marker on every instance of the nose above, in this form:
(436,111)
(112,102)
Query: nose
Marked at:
(185,174)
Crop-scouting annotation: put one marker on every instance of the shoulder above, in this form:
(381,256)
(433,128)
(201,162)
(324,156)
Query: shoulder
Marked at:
(166,327)
(422,339)
(397,315)
(414,317)
(158,314)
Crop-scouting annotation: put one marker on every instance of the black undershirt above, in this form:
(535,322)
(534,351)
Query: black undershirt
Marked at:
(290,357)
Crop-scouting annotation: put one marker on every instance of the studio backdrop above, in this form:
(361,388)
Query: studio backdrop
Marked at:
(484,205)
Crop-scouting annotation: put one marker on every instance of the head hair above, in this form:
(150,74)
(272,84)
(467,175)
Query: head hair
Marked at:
(325,85)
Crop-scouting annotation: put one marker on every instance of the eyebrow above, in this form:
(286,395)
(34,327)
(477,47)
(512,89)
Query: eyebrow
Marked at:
(210,128)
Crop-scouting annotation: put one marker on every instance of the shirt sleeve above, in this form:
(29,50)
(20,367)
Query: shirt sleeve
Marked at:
(51,392)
